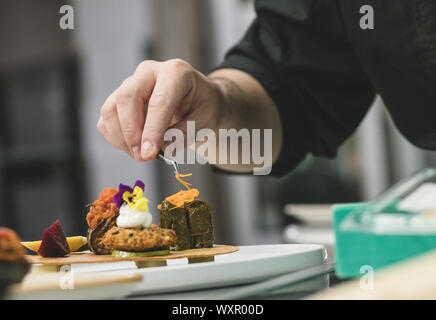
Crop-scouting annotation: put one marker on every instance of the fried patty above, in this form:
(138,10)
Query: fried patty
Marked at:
(129,239)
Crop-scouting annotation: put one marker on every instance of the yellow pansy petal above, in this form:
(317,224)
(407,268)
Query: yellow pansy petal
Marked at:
(141,204)
(137,192)
(126,196)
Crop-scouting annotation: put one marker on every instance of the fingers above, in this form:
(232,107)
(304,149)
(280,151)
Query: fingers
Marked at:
(130,103)
(109,126)
(135,117)
(172,85)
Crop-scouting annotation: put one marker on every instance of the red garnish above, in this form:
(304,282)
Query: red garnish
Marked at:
(100,210)
(54,242)
(107,195)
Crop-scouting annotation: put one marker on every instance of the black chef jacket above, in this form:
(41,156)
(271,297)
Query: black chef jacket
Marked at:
(322,70)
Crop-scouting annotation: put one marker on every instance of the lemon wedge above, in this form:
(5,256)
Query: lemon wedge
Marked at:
(75,243)
(32,245)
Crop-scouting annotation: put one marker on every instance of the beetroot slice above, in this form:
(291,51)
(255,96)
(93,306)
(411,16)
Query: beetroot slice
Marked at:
(54,243)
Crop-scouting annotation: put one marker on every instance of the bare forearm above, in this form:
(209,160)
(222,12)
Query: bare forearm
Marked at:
(246,104)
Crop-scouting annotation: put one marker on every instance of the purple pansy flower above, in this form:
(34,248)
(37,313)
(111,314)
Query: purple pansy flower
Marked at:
(118,198)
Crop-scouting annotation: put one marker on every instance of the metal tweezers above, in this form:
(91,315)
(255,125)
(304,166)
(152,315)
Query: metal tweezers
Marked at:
(168,161)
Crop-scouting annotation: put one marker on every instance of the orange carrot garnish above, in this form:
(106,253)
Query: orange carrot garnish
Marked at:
(182,197)
(179,176)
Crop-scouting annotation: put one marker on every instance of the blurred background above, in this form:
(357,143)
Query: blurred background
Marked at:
(53,162)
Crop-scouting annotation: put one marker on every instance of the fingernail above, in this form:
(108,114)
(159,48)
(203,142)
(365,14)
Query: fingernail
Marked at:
(147,150)
(136,153)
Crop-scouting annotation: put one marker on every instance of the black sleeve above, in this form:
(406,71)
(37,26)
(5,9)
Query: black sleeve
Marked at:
(298,50)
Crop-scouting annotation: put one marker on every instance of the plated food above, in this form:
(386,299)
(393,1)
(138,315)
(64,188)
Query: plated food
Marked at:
(102,216)
(138,239)
(54,243)
(13,264)
(74,243)
(122,224)
(121,228)
(189,217)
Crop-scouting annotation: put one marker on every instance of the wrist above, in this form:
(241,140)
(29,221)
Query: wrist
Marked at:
(220,103)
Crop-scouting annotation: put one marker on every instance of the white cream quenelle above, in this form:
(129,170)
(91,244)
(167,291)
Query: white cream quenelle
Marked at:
(132,218)
(133,207)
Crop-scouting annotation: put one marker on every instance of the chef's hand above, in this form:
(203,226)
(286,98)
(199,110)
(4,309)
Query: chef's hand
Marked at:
(163,95)
(159,95)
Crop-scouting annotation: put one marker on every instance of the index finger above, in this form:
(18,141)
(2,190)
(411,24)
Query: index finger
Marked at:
(171,87)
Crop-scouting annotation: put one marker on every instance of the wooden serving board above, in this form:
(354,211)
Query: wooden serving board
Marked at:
(72,286)
(89,257)
(52,281)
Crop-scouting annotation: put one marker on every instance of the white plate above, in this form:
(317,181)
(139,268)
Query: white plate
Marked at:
(228,293)
(250,264)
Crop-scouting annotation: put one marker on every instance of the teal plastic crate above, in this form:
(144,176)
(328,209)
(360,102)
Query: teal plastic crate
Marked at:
(354,249)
